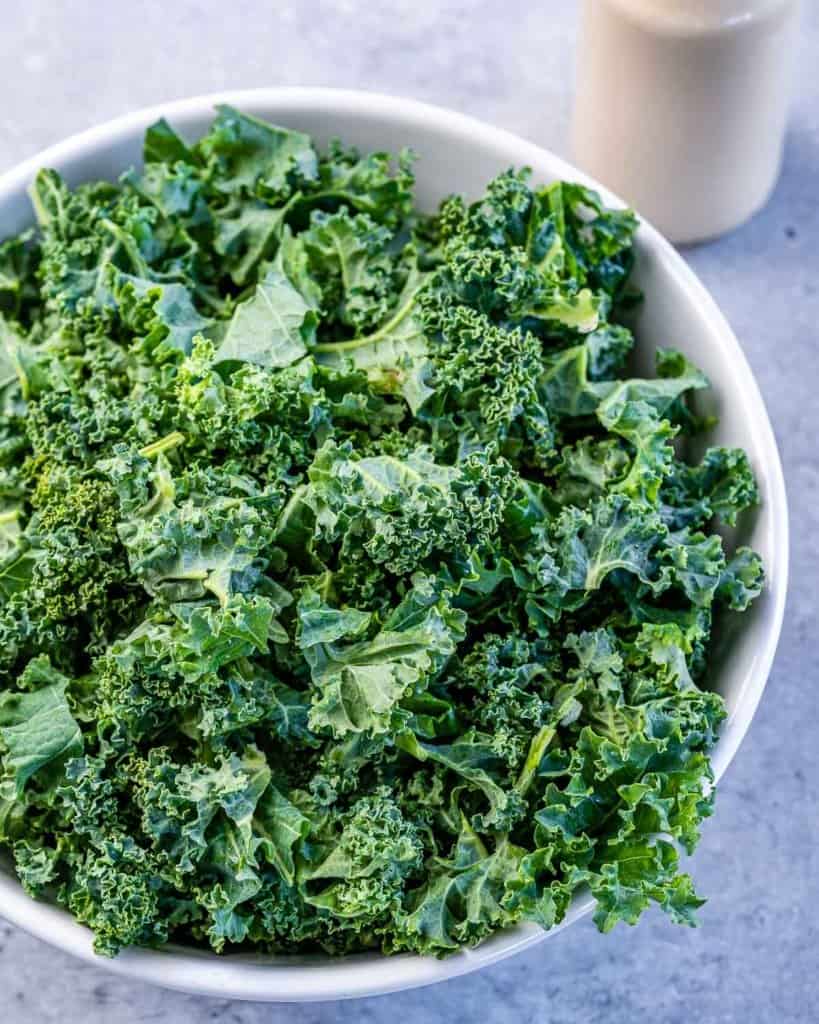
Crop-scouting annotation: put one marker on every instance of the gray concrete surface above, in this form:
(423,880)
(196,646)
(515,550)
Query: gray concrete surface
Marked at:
(67,65)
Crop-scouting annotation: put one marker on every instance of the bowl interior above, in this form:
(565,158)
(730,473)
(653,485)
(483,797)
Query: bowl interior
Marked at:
(455,154)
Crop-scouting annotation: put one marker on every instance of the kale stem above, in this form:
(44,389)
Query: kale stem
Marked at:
(382,332)
(164,444)
(128,244)
(537,748)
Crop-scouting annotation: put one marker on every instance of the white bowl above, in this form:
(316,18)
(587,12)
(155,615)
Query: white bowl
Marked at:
(456,154)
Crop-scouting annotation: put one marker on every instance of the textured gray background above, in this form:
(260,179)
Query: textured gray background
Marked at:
(66,66)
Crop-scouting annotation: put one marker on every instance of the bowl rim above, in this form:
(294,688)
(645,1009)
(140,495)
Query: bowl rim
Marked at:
(317,979)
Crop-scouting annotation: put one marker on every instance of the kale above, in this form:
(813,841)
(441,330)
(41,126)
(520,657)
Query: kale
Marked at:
(352,594)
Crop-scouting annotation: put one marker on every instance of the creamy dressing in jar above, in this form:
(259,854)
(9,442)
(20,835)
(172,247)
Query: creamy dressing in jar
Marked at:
(681,106)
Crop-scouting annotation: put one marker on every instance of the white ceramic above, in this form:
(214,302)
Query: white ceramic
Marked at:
(681,106)
(456,153)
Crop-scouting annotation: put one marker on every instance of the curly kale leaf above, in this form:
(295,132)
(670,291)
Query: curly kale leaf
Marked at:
(37,729)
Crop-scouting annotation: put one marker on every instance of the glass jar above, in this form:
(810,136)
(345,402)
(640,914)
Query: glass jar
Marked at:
(681,106)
